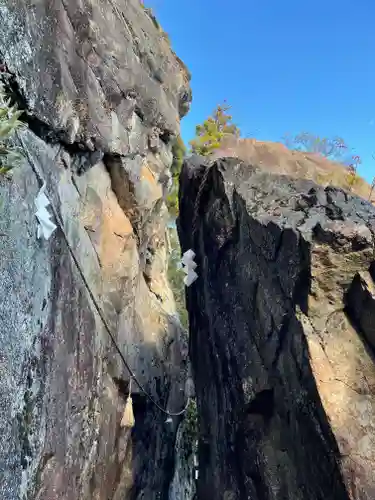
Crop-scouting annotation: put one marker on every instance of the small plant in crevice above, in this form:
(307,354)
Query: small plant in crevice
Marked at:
(178,152)
(175,272)
(190,430)
(10,155)
(24,428)
(352,176)
(176,276)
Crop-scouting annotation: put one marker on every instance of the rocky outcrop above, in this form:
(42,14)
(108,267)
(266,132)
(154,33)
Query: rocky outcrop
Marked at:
(281,334)
(104,94)
(276,157)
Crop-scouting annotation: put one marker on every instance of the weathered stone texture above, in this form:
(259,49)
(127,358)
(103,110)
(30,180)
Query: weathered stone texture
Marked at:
(103,90)
(95,71)
(281,334)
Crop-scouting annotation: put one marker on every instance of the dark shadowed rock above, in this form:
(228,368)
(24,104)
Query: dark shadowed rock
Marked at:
(360,302)
(284,378)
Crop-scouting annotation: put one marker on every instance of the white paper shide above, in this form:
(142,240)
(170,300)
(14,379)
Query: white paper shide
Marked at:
(45,225)
(189,266)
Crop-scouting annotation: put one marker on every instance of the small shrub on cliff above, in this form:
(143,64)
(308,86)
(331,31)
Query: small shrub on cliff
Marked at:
(190,430)
(213,131)
(10,155)
(176,277)
(178,151)
(352,177)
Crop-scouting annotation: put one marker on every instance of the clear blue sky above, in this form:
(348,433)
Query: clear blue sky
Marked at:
(283,65)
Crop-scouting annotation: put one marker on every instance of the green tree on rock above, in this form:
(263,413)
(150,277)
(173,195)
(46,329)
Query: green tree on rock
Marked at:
(211,133)
(178,151)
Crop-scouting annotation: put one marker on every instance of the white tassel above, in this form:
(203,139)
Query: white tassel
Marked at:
(128,415)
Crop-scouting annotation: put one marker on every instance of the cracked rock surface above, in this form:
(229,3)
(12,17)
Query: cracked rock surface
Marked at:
(94,71)
(281,334)
(104,94)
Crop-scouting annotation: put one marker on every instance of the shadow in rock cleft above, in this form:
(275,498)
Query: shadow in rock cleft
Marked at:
(271,365)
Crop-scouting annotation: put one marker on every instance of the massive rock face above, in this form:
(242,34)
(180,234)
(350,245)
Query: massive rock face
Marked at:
(104,94)
(99,73)
(281,334)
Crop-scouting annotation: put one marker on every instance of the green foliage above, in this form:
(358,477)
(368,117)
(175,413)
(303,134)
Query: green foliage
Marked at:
(326,180)
(190,430)
(178,151)
(176,276)
(352,179)
(172,199)
(211,133)
(10,155)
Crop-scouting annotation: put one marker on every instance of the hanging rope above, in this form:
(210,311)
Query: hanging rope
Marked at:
(91,294)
